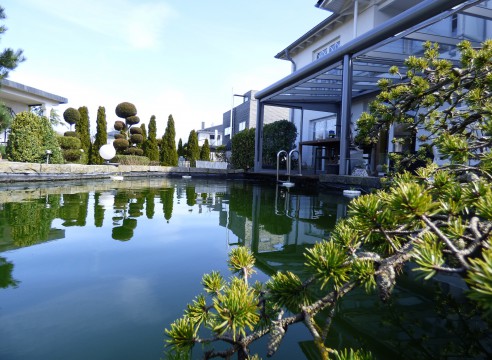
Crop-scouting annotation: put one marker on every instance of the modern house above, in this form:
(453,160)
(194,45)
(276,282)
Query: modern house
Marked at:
(336,66)
(19,97)
(244,115)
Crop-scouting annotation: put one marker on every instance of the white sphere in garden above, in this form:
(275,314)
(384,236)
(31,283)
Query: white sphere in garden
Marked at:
(107,152)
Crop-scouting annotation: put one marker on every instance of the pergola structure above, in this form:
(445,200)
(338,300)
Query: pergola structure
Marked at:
(352,71)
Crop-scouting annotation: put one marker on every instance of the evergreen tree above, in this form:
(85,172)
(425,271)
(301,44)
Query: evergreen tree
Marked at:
(144,136)
(181,151)
(101,137)
(169,155)
(151,150)
(82,128)
(193,152)
(9,59)
(205,151)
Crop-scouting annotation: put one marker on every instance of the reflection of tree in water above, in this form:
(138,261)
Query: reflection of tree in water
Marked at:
(126,204)
(241,204)
(30,222)
(98,211)
(190,195)
(6,279)
(167,200)
(125,231)
(150,203)
(74,209)
(277,224)
(240,200)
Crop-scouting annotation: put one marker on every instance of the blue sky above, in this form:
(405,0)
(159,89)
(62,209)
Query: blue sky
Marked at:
(165,56)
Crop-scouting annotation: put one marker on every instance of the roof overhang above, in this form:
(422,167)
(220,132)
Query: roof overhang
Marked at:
(319,84)
(27,95)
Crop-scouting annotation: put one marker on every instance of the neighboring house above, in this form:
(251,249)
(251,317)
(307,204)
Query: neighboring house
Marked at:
(336,66)
(244,115)
(19,97)
(214,135)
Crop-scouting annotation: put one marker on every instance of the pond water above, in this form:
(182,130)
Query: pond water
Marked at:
(98,270)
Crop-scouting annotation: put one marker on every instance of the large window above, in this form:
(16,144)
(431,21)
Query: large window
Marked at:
(324,128)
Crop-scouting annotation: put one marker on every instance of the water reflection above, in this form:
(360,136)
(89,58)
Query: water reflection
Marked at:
(276,223)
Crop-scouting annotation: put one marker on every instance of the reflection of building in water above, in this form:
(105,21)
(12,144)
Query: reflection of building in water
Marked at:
(275,220)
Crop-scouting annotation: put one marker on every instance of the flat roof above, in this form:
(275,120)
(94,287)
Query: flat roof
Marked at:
(30,92)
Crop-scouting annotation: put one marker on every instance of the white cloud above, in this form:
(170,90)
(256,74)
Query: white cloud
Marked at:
(138,24)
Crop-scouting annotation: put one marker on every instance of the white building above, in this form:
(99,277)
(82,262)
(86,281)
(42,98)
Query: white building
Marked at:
(336,66)
(19,97)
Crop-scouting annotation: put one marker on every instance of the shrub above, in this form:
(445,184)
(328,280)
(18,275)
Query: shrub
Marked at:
(279,135)
(125,110)
(72,155)
(69,142)
(133,151)
(101,137)
(119,136)
(132,160)
(70,133)
(30,137)
(243,149)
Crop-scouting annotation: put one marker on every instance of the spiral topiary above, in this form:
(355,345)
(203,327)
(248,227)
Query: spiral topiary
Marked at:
(71,116)
(125,110)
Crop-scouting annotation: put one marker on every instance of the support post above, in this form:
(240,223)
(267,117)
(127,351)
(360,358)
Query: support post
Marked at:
(258,163)
(346,114)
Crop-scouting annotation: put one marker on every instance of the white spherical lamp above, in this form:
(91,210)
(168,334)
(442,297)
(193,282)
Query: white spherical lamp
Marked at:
(107,152)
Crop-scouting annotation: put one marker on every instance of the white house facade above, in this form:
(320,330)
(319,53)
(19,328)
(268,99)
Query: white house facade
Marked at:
(19,97)
(336,66)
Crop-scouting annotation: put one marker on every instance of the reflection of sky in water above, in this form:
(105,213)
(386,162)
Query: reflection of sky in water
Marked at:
(89,296)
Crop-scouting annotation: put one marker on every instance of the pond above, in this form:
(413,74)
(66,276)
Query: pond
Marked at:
(98,270)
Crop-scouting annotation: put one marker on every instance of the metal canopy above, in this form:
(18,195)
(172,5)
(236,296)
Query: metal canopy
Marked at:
(318,86)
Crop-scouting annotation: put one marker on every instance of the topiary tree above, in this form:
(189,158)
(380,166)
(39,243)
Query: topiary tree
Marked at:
(71,116)
(101,137)
(127,111)
(279,135)
(151,149)
(205,151)
(70,146)
(30,137)
(169,155)
(438,218)
(243,149)
(193,149)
